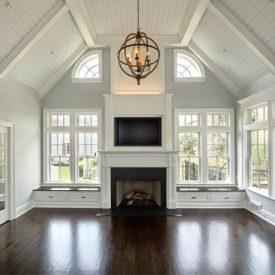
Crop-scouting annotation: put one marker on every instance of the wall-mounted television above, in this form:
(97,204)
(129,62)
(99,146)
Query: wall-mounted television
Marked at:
(137,131)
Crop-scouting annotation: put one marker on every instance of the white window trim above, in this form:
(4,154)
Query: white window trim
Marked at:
(72,129)
(193,58)
(203,129)
(80,61)
(265,96)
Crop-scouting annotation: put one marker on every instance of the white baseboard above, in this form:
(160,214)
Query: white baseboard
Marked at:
(66,205)
(211,205)
(263,214)
(24,208)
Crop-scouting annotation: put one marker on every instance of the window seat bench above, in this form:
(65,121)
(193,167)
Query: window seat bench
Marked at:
(211,197)
(75,197)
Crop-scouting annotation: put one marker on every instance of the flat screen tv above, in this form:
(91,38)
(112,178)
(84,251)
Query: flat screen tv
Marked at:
(137,131)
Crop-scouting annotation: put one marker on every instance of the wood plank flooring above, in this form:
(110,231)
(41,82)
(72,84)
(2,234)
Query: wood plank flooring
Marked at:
(75,241)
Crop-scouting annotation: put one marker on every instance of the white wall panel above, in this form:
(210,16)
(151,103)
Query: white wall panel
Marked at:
(19,20)
(118,17)
(227,51)
(258,16)
(49,54)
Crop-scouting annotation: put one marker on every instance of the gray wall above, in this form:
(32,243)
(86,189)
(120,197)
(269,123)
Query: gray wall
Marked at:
(208,94)
(21,105)
(80,95)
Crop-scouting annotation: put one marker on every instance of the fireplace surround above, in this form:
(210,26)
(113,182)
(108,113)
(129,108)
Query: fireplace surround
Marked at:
(146,158)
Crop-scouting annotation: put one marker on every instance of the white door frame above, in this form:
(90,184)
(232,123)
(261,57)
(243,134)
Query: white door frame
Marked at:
(11,184)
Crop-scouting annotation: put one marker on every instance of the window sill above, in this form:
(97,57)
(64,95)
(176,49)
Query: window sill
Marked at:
(86,80)
(189,79)
(71,184)
(258,192)
(210,189)
(208,184)
(68,189)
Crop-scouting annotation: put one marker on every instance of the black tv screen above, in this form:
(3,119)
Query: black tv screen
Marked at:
(138,131)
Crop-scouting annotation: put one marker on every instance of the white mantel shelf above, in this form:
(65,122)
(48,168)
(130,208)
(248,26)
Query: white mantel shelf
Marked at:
(126,151)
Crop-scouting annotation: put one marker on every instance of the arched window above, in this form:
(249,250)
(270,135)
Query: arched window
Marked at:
(88,68)
(187,67)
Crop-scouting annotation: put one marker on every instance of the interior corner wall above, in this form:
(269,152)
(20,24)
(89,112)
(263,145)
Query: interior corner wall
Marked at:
(22,106)
(80,95)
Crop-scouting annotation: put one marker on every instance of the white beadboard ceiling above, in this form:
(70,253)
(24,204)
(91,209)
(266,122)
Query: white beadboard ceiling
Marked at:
(19,20)
(227,51)
(119,17)
(112,18)
(257,16)
(49,53)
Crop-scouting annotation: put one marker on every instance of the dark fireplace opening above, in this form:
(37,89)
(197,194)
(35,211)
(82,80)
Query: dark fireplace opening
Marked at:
(138,187)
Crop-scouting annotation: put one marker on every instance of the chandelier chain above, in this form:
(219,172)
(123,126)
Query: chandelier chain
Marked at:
(138,26)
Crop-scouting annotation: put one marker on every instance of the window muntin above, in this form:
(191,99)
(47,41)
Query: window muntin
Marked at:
(72,147)
(59,120)
(189,156)
(206,147)
(258,159)
(258,114)
(87,120)
(189,119)
(59,159)
(217,156)
(187,67)
(218,119)
(87,156)
(88,68)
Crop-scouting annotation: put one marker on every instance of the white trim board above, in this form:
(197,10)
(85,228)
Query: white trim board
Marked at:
(263,215)
(83,20)
(191,19)
(205,205)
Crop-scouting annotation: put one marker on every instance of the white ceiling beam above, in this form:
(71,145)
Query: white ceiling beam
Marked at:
(30,40)
(59,74)
(83,20)
(106,40)
(217,72)
(244,34)
(191,19)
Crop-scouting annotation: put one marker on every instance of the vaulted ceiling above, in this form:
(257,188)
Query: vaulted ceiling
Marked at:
(40,40)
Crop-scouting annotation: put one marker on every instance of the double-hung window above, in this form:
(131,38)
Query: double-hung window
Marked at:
(257,147)
(205,140)
(71,143)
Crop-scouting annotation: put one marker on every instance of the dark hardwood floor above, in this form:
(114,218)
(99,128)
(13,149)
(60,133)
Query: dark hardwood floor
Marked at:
(75,241)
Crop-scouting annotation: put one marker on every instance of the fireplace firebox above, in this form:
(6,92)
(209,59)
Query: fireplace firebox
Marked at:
(138,187)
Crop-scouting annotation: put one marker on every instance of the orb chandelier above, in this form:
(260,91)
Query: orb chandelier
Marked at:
(139,54)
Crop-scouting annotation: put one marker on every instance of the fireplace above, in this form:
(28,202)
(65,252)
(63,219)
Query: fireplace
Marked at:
(138,187)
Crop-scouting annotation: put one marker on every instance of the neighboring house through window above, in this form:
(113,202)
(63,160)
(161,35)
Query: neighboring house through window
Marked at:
(71,143)
(205,139)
